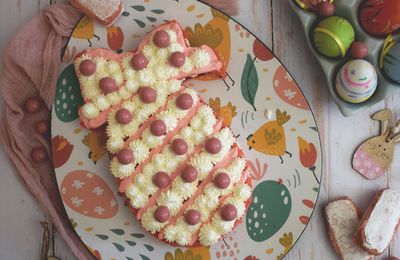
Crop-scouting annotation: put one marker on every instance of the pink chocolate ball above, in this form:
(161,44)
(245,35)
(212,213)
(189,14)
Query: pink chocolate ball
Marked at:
(42,127)
(192,217)
(213,145)
(125,156)
(39,154)
(189,174)
(161,214)
(359,50)
(325,9)
(222,180)
(228,212)
(158,128)
(147,95)
(184,101)
(87,67)
(161,180)
(179,146)
(161,39)
(33,105)
(139,62)
(123,116)
(177,59)
(108,85)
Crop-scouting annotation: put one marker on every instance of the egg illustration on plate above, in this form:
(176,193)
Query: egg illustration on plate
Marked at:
(380,17)
(333,36)
(391,62)
(88,194)
(356,81)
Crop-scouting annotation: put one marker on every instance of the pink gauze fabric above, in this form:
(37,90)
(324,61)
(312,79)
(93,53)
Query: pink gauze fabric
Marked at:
(31,65)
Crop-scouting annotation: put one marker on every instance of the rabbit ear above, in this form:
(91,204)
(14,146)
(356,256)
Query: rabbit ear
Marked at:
(385,116)
(396,138)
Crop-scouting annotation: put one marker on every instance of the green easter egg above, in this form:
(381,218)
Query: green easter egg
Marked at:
(333,36)
(268,211)
(68,96)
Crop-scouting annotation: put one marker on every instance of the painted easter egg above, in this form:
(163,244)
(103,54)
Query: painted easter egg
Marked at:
(380,17)
(357,81)
(391,63)
(287,89)
(310,4)
(88,194)
(68,95)
(333,36)
(61,149)
(268,211)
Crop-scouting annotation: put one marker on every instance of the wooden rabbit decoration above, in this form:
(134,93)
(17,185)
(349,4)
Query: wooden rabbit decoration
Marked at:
(373,158)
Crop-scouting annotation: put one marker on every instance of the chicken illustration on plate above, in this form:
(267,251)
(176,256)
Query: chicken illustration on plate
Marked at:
(96,142)
(85,30)
(270,138)
(215,34)
(227,112)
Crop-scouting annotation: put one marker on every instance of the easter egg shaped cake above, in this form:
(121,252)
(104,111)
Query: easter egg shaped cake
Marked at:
(183,174)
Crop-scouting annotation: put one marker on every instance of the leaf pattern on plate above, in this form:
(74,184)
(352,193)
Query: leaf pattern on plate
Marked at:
(139,8)
(149,247)
(102,237)
(131,243)
(119,247)
(118,231)
(137,235)
(249,82)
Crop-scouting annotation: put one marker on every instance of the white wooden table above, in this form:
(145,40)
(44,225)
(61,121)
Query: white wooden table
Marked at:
(275,24)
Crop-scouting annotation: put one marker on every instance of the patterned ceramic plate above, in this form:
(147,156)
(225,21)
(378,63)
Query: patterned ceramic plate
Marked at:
(259,100)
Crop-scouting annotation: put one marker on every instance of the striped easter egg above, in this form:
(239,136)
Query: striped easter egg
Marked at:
(356,81)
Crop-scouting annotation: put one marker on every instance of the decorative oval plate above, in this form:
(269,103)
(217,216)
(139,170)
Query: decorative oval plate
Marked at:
(259,100)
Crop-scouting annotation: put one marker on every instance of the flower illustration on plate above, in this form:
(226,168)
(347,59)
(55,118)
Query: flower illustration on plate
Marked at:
(61,149)
(308,155)
(115,38)
(261,51)
(194,253)
(287,242)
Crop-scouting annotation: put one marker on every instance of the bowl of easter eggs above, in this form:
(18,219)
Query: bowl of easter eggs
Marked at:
(357,44)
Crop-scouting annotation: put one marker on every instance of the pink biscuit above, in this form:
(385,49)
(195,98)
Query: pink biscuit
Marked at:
(104,11)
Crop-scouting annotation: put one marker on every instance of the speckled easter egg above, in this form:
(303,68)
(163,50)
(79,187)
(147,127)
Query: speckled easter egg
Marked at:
(380,17)
(88,194)
(68,95)
(356,81)
(269,210)
(391,63)
(333,36)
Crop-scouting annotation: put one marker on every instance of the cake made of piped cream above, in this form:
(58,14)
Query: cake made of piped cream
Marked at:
(183,175)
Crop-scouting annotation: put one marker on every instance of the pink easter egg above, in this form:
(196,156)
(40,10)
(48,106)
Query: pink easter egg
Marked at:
(287,89)
(89,195)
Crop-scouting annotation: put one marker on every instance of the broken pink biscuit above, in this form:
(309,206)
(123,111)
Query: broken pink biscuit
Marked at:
(342,217)
(108,79)
(105,12)
(380,222)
